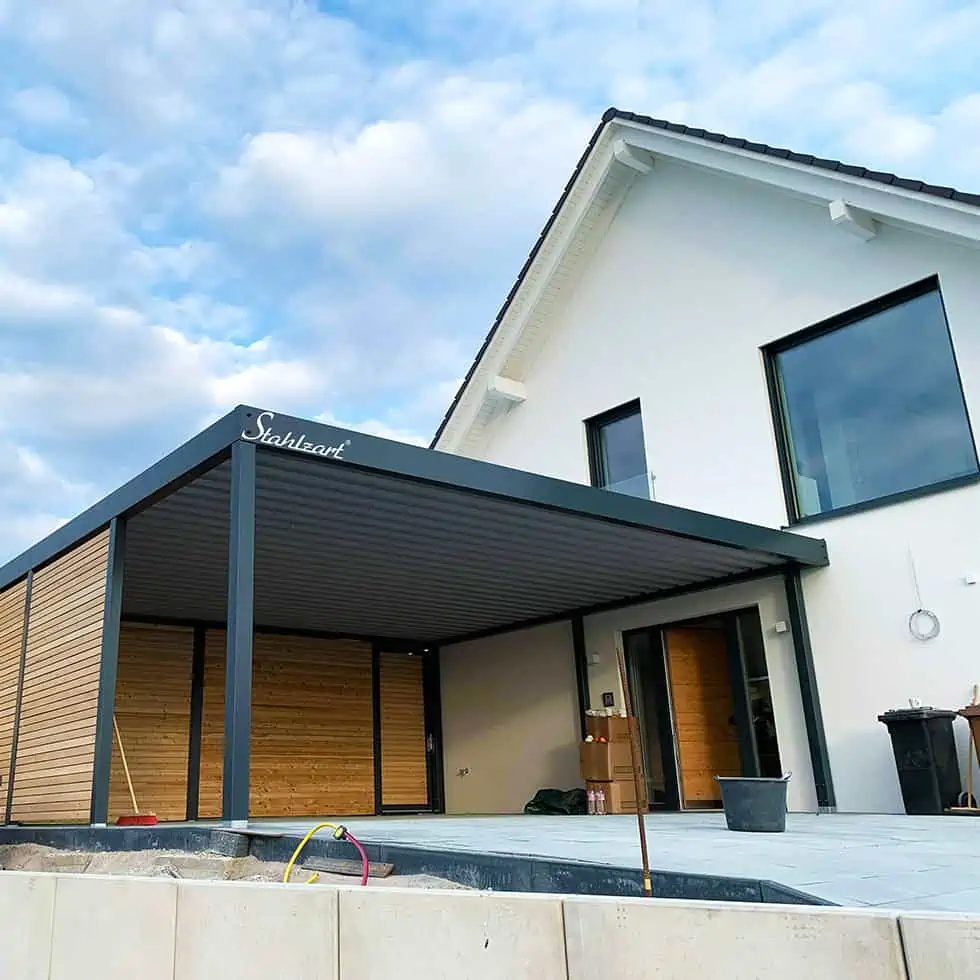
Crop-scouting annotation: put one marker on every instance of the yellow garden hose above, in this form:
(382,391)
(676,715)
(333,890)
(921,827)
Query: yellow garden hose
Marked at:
(339,833)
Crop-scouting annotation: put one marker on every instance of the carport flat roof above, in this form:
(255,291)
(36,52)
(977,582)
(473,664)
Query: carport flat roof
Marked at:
(361,536)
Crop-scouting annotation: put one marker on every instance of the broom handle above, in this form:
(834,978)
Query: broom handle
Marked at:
(122,755)
(639,777)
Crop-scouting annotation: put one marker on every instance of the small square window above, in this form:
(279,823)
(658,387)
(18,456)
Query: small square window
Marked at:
(869,406)
(617,456)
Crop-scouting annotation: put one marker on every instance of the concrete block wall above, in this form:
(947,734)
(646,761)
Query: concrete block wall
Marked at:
(75,927)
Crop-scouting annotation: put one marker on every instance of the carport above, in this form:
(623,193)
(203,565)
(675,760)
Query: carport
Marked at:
(267,534)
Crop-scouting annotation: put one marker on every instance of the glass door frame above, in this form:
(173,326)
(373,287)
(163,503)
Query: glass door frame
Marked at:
(655,637)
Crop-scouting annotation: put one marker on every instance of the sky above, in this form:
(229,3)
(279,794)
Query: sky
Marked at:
(319,207)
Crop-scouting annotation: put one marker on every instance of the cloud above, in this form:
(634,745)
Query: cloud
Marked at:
(376,427)
(205,202)
(42,105)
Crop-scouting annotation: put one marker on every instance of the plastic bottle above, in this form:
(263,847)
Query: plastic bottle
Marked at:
(591,795)
(600,802)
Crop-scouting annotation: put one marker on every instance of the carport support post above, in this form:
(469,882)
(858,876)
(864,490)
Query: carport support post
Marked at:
(809,695)
(238,676)
(111,621)
(581,672)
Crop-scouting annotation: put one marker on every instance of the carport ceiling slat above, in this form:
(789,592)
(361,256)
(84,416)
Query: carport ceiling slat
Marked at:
(404,530)
(348,550)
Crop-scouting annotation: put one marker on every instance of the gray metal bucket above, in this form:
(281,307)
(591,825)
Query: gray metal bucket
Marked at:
(754,804)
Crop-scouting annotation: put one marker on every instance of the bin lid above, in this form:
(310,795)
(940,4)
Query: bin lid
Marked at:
(970,711)
(915,714)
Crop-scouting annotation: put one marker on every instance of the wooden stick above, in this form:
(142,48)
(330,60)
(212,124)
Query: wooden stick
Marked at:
(639,780)
(122,755)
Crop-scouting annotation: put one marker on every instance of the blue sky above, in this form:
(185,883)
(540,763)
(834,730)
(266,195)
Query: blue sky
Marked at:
(319,207)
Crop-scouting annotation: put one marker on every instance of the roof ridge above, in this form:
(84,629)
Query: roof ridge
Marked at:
(807,159)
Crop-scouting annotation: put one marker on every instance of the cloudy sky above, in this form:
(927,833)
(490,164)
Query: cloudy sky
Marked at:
(318,207)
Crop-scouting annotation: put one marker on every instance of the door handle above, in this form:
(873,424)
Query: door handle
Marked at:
(430,743)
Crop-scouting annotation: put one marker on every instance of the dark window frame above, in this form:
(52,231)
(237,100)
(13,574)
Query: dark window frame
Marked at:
(770,353)
(593,432)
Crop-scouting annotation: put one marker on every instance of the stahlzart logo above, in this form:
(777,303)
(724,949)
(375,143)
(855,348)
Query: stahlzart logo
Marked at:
(267,436)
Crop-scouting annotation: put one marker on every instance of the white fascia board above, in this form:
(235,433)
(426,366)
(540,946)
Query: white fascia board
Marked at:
(628,157)
(904,208)
(853,220)
(507,390)
(561,237)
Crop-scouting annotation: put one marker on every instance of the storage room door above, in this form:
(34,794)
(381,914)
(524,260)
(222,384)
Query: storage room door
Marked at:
(404,748)
(705,732)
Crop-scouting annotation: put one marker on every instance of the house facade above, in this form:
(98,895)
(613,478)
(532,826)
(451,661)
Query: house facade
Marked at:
(777,339)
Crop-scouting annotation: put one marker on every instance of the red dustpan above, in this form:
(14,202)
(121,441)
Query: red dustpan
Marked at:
(135,819)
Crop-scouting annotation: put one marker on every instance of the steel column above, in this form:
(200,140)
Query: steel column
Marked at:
(810,696)
(238,676)
(581,670)
(194,733)
(111,620)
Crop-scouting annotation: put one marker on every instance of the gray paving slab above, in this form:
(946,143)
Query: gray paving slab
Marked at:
(887,861)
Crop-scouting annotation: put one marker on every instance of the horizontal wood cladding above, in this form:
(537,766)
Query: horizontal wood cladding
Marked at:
(56,746)
(212,726)
(153,698)
(312,727)
(11,638)
(404,776)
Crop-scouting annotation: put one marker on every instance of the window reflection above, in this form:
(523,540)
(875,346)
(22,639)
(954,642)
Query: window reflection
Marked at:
(874,408)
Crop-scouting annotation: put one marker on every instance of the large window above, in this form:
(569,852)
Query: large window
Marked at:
(869,406)
(617,458)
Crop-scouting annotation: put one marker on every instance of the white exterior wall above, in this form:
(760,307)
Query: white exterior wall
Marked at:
(510,719)
(696,273)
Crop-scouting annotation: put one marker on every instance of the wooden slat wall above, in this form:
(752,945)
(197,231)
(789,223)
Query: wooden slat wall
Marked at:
(56,747)
(312,727)
(212,726)
(11,634)
(153,712)
(707,745)
(404,777)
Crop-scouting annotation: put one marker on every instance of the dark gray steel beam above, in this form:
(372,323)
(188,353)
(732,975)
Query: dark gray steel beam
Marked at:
(581,670)
(111,621)
(241,593)
(809,693)
(197,713)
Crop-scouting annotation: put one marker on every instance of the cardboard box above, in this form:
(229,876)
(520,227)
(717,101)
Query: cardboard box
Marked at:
(605,761)
(612,728)
(620,795)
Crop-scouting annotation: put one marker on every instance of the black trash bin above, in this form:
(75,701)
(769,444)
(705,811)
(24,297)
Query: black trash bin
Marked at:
(925,755)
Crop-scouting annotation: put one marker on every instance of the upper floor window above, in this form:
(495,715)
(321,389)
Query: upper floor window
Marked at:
(617,457)
(869,407)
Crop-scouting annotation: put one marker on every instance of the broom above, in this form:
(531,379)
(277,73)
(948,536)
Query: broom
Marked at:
(134,819)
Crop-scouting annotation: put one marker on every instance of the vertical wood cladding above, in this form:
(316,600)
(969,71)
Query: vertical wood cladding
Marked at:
(56,747)
(404,775)
(153,697)
(312,735)
(11,636)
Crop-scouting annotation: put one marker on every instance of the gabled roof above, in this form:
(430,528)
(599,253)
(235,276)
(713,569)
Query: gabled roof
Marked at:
(808,159)
(612,116)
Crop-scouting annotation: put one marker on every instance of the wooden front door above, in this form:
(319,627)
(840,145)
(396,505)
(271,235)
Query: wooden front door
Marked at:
(705,732)
(404,757)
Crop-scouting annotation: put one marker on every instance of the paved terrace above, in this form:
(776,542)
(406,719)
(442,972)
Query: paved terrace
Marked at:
(891,862)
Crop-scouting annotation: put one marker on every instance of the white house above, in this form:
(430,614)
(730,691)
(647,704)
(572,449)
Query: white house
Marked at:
(765,336)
